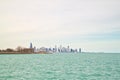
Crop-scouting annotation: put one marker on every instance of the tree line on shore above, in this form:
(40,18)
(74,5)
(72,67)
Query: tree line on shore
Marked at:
(17,50)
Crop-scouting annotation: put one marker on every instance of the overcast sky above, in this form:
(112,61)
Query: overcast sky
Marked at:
(93,25)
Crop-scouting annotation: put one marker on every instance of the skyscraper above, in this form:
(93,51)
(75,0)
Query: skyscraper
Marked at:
(68,49)
(31,46)
(55,48)
(79,50)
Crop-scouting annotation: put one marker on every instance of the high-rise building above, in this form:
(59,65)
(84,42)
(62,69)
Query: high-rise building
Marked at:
(60,48)
(35,50)
(31,46)
(79,50)
(55,48)
(68,48)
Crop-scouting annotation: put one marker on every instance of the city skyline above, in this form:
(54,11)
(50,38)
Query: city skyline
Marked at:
(91,25)
(32,49)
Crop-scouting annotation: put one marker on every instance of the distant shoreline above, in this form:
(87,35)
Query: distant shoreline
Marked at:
(52,53)
(14,53)
(23,53)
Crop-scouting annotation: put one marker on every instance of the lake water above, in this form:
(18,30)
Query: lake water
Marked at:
(67,66)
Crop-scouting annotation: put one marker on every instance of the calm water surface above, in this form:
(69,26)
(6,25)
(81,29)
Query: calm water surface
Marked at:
(60,67)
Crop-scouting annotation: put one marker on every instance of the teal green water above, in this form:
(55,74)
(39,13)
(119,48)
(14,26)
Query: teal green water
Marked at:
(60,67)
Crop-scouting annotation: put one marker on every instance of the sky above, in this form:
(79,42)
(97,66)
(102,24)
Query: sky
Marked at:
(93,25)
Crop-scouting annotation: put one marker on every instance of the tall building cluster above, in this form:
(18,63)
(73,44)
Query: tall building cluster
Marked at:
(44,50)
(59,49)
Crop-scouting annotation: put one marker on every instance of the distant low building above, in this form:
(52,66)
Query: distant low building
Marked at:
(28,50)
